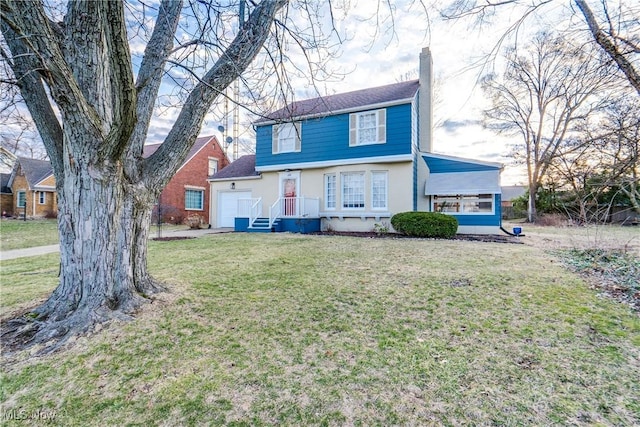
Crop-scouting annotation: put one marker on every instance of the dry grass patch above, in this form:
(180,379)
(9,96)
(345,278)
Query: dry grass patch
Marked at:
(602,236)
(314,330)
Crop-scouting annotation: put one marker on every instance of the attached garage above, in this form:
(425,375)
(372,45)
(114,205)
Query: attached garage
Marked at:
(231,184)
(228,206)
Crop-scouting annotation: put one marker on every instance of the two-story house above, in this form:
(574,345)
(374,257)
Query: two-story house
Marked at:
(348,162)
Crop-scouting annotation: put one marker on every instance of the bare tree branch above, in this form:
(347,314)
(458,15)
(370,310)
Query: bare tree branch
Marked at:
(605,42)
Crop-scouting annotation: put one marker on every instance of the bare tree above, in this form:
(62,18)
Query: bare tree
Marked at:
(80,62)
(620,141)
(18,133)
(620,38)
(545,90)
(615,28)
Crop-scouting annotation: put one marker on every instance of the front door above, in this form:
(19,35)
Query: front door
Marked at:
(289,190)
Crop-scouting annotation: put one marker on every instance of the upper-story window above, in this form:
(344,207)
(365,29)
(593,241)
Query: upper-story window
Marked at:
(368,127)
(286,138)
(213,166)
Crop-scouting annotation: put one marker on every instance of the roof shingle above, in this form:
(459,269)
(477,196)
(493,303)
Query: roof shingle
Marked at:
(345,101)
(35,170)
(244,167)
(149,149)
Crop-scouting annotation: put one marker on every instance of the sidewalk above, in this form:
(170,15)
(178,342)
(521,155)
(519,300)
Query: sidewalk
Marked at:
(153,234)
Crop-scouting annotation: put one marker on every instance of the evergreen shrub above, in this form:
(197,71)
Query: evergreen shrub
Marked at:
(425,224)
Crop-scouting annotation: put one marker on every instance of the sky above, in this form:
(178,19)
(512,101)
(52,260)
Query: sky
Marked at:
(392,55)
(374,54)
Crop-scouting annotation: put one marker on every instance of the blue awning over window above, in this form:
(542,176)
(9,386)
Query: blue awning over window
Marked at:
(473,182)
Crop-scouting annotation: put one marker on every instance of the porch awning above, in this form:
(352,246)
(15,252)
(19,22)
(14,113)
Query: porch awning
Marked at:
(452,183)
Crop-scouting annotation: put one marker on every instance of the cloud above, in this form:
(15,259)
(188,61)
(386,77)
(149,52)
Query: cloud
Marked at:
(452,126)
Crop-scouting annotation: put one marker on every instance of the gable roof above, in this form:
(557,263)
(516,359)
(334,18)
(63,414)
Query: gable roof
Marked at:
(348,101)
(198,145)
(244,167)
(34,170)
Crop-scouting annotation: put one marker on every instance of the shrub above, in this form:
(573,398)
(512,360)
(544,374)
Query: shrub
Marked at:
(425,224)
(170,214)
(194,221)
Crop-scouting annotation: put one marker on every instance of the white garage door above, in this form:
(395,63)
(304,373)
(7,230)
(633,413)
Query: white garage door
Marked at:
(228,206)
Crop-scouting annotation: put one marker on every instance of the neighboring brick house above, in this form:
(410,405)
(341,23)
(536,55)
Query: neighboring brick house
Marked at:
(6,196)
(188,191)
(33,188)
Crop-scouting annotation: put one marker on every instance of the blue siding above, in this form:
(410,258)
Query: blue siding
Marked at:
(292,225)
(327,139)
(437,165)
(494,220)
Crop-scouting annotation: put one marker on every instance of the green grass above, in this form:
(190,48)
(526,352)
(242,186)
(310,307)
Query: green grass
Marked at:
(25,281)
(17,234)
(315,330)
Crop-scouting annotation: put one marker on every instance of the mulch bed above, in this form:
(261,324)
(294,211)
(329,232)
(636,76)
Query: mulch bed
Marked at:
(492,238)
(168,239)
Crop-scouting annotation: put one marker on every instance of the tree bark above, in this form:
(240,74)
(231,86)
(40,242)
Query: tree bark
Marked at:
(106,191)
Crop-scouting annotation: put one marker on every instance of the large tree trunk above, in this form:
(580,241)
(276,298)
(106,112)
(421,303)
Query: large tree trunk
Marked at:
(105,189)
(103,245)
(145,284)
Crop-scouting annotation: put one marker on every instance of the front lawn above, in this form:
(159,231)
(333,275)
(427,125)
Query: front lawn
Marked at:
(280,329)
(18,234)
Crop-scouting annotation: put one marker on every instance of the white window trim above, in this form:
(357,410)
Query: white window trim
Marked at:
(209,165)
(364,191)
(42,198)
(279,129)
(381,128)
(23,205)
(190,188)
(460,198)
(326,191)
(386,191)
